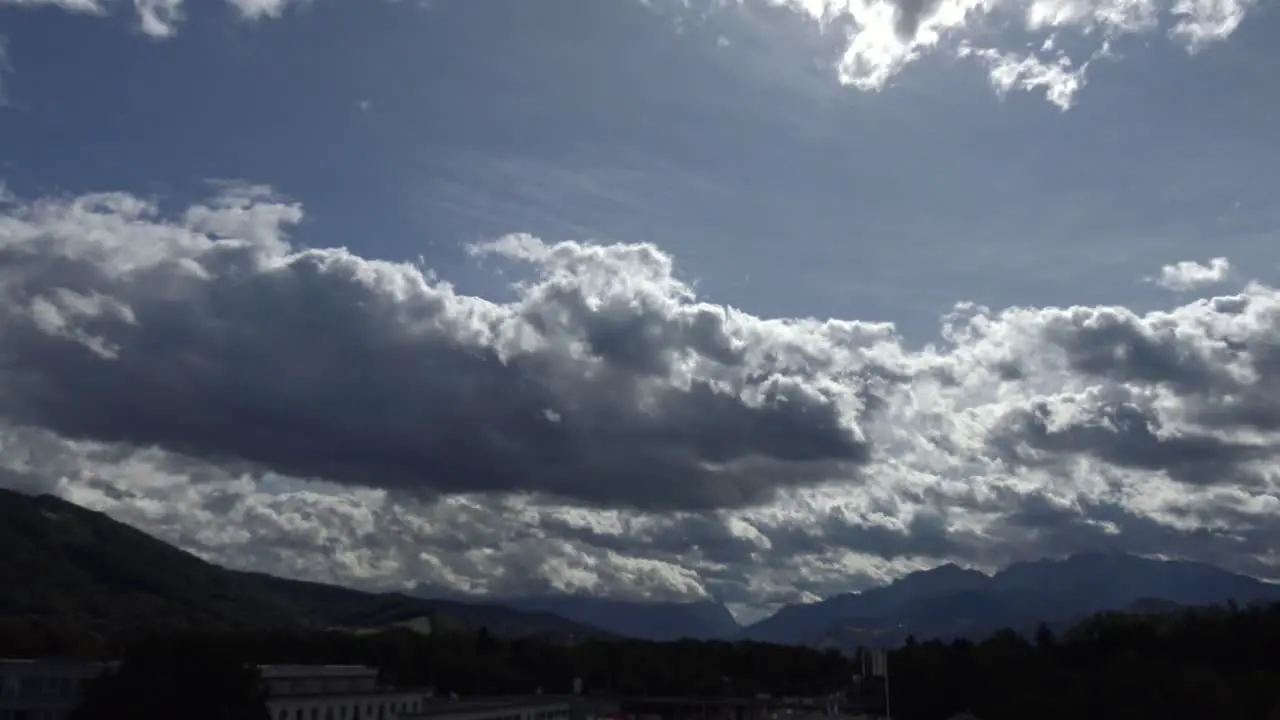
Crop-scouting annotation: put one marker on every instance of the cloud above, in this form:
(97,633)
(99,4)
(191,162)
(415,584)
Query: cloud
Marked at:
(1191,275)
(81,6)
(883,37)
(260,9)
(1059,80)
(318,414)
(220,341)
(160,18)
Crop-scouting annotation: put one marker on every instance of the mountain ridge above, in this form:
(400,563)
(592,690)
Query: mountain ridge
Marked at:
(647,620)
(949,601)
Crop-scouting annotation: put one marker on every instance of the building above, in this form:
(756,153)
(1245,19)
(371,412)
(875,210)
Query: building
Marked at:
(534,707)
(50,689)
(42,689)
(336,692)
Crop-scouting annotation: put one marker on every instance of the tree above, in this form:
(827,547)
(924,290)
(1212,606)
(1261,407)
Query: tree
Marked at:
(1045,637)
(196,678)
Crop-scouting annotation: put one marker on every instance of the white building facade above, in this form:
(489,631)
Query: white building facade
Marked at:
(42,689)
(335,692)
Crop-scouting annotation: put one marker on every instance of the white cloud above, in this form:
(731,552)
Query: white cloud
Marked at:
(159,18)
(1201,22)
(886,36)
(261,9)
(318,414)
(1058,78)
(1191,275)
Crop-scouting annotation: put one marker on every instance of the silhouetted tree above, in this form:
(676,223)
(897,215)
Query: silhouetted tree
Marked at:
(1045,637)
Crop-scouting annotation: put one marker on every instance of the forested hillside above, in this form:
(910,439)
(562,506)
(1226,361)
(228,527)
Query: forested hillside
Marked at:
(67,569)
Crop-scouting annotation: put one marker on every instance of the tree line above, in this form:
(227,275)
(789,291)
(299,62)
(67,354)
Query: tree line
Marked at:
(1219,663)
(1215,662)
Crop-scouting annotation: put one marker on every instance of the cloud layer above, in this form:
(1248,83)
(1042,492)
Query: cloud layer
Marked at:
(320,414)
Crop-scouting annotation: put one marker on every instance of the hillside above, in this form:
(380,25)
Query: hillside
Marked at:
(66,564)
(339,606)
(641,620)
(62,561)
(949,601)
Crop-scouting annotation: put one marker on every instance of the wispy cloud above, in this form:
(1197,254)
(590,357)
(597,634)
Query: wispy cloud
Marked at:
(160,18)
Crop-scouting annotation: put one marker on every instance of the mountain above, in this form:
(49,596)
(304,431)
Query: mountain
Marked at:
(73,566)
(643,620)
(806,623)
(951,602)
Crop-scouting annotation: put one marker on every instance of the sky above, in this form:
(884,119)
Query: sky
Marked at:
(756,301)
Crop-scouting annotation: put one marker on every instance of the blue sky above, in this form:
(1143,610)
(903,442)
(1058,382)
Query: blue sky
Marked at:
(408,131)
(780,162)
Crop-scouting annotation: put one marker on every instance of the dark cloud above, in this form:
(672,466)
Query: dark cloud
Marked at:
(322,364)
(1190,394)
(1119,346)
(1129,436)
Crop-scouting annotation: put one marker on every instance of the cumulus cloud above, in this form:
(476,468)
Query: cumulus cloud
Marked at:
(1191,275)
(606,383)
(318,414)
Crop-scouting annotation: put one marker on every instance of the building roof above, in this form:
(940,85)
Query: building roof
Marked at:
(283,671)
(372,694)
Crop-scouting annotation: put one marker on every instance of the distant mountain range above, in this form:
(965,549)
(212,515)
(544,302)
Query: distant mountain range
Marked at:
(950,601)
(79,568)
(946,601)
(645,620)
(73,566)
